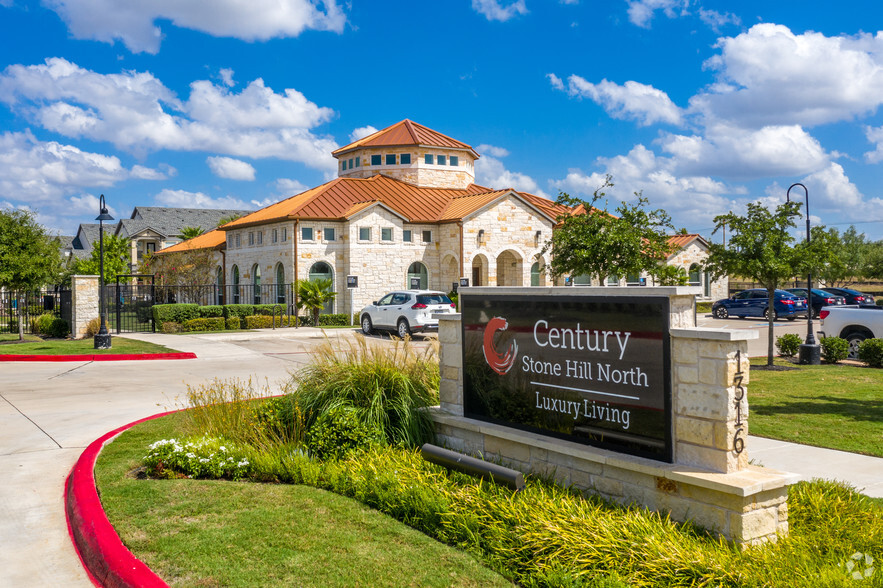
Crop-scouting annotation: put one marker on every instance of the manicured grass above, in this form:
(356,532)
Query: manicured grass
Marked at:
(216,533)
(36,346)
(833,406)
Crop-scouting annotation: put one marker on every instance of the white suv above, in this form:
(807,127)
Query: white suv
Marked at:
(406,312)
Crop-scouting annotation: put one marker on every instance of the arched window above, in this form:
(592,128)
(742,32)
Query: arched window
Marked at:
(417,270)
(280,283)
(220,284)
(256,274)
(322,271)
(235,276)
(582,280)
(535,274)
(707,284)
(613,280)
(695,277)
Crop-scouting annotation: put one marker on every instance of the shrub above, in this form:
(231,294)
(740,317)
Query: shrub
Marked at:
(200,458)
(93,326)
(58,328)
(12,325)
(339,432)
(269,309)
(211,310)
(278,419)
(42,324)
(232,323)
(870,351)
(834,349)
(175,313)
(143,311)
(172,327)
(788,344)
(205,324)
(336,320)
(387,390)
(238,310)
(265,322)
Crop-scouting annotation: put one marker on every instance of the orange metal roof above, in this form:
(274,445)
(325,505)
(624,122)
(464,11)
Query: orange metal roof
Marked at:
(406,132)
(681,241)
(213,239)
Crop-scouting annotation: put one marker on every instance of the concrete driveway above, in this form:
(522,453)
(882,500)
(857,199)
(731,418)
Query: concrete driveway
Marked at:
(758,347)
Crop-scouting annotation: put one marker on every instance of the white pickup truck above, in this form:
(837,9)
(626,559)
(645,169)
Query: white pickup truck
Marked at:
(853,323)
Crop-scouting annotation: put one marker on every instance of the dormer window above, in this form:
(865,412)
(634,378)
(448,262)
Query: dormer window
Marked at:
(375,160)
(357,161)
(455,161)
(428,158)
(390,159)
(441,160)
(405,159)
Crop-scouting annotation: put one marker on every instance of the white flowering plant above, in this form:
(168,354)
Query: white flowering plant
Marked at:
(205,457)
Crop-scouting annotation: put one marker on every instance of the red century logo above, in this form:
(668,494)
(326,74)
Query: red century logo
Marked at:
(499,363)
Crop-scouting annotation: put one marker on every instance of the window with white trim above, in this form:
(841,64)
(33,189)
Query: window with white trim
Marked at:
(328,234)
(405,159)
(390,159)
(364,233)
(427,236)
(306,233)
(386,234)
(406,236)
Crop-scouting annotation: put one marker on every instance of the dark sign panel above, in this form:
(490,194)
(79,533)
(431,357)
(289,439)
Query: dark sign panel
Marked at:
(590,369)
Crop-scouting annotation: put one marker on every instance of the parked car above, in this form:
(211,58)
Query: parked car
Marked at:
(853,323)
(853,296)
(405,312)
(820,298)
(756,302)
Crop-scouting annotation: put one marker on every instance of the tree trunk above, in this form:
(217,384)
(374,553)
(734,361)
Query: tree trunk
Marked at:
(771,314)
(21,324)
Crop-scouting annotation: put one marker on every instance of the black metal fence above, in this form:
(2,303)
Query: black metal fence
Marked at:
(129,306)
(27,306)
(213,294)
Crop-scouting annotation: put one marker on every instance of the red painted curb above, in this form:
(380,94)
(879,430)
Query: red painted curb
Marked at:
(105,558)
(99,357)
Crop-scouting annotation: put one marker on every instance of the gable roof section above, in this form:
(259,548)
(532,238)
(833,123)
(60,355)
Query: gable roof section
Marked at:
(406,132)
(464,206)
(169,221)
(681,241)
(340,198)
(214,239)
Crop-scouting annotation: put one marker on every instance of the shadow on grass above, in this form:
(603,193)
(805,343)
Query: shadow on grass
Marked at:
(870,410)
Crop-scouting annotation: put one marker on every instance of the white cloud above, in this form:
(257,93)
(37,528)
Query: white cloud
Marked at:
(39,172)
(136,112)
(832,191)
(288,187)
(490,172)
(641,12)
(715,20)
(485,149)
(874,135)
(145,173)
(495,10)
(133,23)
(185,199)
(768,75)
(226,75)
(733,152)
(231,169)
(361,133)
(631,101)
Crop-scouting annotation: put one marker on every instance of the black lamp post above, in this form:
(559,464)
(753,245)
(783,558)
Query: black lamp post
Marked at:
(810,352)
(102,339)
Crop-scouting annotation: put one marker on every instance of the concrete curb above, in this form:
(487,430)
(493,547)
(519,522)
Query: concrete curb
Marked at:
(106,560)
(99,357)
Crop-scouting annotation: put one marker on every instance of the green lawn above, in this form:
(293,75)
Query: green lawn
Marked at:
(217,533)
(36,346)
(833,406)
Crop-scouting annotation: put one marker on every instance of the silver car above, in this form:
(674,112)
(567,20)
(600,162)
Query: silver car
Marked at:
(405,312)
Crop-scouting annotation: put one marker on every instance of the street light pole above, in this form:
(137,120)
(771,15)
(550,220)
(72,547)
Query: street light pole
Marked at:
(102,338)
(810,352)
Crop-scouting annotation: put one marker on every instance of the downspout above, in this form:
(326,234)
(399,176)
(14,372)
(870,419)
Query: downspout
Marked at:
(223,251)
(460,224)
(294,283)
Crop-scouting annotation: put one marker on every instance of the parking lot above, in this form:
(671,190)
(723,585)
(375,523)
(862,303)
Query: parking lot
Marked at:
(758,347)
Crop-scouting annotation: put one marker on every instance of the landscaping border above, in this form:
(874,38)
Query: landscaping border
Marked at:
(99,357)
(101,551)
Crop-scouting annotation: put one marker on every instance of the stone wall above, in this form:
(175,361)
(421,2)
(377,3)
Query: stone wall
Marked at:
(710,483)
(84,303)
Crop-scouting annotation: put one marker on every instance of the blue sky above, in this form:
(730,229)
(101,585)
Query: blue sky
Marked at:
(701,106)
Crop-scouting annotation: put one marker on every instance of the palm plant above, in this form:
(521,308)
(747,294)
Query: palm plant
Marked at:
(314,295)
(190,232)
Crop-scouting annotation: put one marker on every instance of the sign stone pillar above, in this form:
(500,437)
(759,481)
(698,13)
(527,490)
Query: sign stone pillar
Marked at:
(84,304)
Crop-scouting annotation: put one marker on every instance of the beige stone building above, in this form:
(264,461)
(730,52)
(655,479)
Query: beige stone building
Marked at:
(404,209)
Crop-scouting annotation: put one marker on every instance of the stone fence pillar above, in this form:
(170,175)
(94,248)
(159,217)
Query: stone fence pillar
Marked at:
(84,304)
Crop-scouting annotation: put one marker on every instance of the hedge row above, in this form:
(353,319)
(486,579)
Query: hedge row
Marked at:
(181,313)
(254,321)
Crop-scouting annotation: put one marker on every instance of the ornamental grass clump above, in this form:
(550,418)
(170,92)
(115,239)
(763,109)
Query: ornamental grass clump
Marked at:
(387,390)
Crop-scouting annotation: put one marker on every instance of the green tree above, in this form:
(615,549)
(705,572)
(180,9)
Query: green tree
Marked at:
(117,252)
(590,241)
(760,248)
(29,256)
(852,259)
(228,219)
(314,295)
(191,232)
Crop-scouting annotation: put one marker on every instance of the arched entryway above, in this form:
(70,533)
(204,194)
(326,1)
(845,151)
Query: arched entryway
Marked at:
(235,281)
(256,282)
(322,271)
(280,283)
(479,271)
(538,273)
(510,270)
(417,271)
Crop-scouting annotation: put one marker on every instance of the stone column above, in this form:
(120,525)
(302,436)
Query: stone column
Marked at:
(710,409)
(84,304)
(450,387)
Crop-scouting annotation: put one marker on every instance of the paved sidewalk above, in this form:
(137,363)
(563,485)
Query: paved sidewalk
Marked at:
(49,412)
